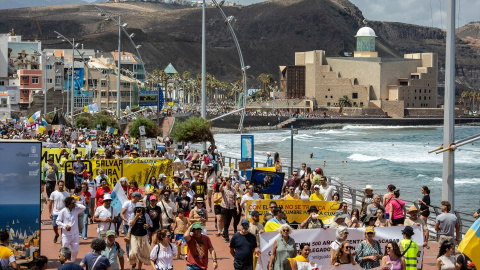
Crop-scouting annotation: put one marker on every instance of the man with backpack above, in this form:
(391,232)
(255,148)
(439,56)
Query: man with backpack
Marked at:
(114,252)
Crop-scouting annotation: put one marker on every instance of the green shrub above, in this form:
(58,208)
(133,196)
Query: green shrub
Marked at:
(193,130)
(151,128)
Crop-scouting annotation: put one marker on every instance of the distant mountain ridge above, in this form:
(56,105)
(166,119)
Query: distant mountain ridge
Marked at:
(269,34)
(9,4)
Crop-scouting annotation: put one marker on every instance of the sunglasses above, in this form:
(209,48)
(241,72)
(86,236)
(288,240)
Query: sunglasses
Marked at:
(286,230)
(348,247)
(168,235)
(316,188)
(295,175)
(388,247)
(346,233)
(167,194)
(370,233)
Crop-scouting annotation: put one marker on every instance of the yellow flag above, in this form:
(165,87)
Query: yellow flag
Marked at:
(41,129)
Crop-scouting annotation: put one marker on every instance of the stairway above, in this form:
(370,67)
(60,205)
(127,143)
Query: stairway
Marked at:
(286,122)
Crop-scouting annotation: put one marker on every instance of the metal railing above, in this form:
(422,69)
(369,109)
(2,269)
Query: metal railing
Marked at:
(354,196)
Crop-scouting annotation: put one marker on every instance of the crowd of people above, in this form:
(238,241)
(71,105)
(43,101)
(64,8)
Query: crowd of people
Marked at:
(164,221)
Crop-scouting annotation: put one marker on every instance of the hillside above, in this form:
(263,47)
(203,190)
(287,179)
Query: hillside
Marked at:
(269,33)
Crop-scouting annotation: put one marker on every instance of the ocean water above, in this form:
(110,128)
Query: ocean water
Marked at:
(25,214)
(377,155)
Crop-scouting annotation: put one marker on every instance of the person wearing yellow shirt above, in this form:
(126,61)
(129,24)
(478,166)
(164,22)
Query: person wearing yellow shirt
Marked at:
(63,161)
(316,196)
(6,254)
(291,195)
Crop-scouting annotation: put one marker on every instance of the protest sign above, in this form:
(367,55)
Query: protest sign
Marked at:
(56,153)
(226,171)
(320,240)
(138,169)
(148,144)
(142,130)
(296,210)
(266,182)
(244,165)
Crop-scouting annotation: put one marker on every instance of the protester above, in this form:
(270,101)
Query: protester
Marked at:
(85,200)
(41,263)
(237,213)
(446,256)
(316,195)
(375,205)
(126,213)
(463,262)
(94,260)
(229,204)
(198,247)
(161,181)
(101,192)
(199,186)
(381,221)
(302,260)
(151,188)
(155,213)
(78,170)
(180,227)
(367,199)
(56,203)
(67,220)
(101,176)
(183,202)
(276,221)
(242,246)
(237,178)
(65,258)
(341,235)
(140,248)
(114,252)
(393,256)
(294,181)
(339,220)
(269,162)
(217,208)
(162,254)
(446,225)
(133,188)
(408,248)
(343,255)
(313,221)
(211,179)
(304,194)
(7,258)
(106,216)
(199,214)
(387,198)
(291,195)
(50,175)
(169,210)
(397,210)
(249,195)
(370,220)
(369,252)
(92,189)
(336,197)
(354,220)
(414,220)
(425,204)
(283,248)
(325,189)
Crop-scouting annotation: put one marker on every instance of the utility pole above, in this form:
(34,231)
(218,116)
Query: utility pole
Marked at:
(118,68)
(204,68)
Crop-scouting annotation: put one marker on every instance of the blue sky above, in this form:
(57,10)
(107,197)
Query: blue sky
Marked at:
(17,186)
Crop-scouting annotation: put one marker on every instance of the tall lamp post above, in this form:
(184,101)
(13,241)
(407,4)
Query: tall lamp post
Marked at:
(44,67)
(244,68)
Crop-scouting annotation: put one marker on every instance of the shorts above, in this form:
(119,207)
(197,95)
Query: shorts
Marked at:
(179,236)
(425,213)
(398,221)
(54,220)
(217,209)
(153,229)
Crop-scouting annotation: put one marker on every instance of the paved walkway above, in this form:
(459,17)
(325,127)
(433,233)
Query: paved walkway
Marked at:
(225,261)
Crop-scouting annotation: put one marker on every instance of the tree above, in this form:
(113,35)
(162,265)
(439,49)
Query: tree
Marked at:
(151,128)
(193,130)
(266,80)
(103,118)
(345,101)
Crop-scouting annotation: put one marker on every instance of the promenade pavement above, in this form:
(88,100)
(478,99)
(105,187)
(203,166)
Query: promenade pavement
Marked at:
(225,260)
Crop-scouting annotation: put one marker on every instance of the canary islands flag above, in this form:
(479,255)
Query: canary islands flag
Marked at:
(470,244)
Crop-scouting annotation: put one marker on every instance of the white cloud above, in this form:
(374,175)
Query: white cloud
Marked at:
(4,177)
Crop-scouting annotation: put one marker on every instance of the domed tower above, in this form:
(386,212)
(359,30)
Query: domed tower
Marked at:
(365,43)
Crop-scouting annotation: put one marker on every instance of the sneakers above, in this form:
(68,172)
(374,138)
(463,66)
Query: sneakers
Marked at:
(91,221)
(227,240)
(55,239)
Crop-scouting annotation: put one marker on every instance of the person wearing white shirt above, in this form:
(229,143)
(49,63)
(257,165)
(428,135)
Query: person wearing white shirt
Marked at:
(126,214)
(68,220)
(249,195)
(56,203)
(237,178)
(163,253)
(303,172)
(326,190)
(105,215)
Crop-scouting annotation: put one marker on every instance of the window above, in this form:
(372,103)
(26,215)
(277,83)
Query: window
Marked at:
(419,97)
(328,103)
(328,88)
(103,83)
(2,83)
(354,95)
(415,90)
(415,97)
(408,104)
(34,79)
(429,91)
(429,98)
(25,78)
(49,67)
(361,103)
(49,80)
(58,80)
(424,97)
(103,94)
(424,90)
(3,102)
(25,92)
(326,96)
(331,96)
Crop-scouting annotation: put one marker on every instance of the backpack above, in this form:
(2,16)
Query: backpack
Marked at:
(207,160)
(158,251)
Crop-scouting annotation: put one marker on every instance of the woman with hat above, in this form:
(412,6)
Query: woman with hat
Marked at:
(139,246)
(312,222)
(155,214)
(283,248)
(199,214)
(369,251)
(367,199)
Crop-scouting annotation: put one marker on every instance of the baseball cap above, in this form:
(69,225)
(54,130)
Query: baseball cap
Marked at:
(186,182)
(153,198)
(245,222)
(50,158)
(197,225)
(162,175)
(316,186)
(136,194)
(369,229)
(110,233)
(255,213)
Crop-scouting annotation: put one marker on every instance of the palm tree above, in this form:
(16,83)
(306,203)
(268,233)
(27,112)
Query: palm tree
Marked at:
(344,101)
(464,98)
(266,80)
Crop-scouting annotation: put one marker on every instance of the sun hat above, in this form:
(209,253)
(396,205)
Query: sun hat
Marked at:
(110,233)
(139,205)
(312,208)
(199,200)
(339,216)
(369,217)
(162,175)
(408,231)
(369,187)
(107,197)
(316,186)
(412,209)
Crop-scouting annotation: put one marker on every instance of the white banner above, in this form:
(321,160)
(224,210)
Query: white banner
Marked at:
(320,240)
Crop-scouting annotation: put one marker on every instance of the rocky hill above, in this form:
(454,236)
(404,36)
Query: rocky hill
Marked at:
(269,33)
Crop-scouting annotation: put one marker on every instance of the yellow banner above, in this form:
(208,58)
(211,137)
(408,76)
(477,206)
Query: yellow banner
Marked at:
(56,153)
(139,169)
(296,210)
